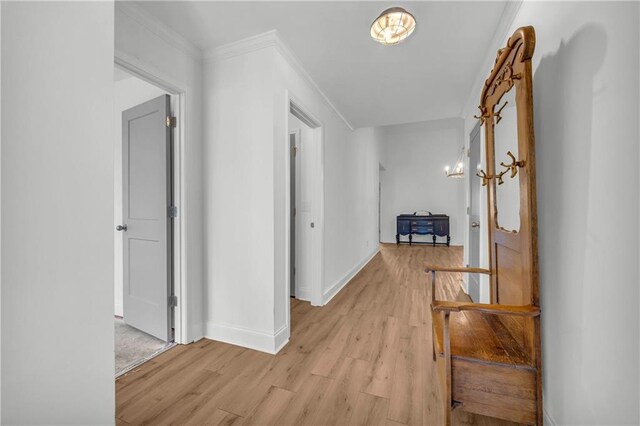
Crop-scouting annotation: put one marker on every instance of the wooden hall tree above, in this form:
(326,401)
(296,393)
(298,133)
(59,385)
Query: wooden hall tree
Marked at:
(489,355)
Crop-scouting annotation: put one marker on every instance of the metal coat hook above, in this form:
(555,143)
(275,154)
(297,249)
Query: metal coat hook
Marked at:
(482,175)
(497,113)
(483,115)
(513,167)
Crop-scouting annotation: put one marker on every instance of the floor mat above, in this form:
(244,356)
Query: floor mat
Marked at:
(133,346)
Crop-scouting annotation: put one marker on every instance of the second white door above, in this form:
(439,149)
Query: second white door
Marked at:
(303,215)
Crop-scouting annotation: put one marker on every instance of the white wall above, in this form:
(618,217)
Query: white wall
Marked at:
(151,48)
(586,69)
(245,195)
(129,92)
(57,213)
(350,173)
(239,202)
(414,156)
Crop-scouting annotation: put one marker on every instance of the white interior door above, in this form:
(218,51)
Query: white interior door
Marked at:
(474,212)
(303,214)
(293,140)
(146,155)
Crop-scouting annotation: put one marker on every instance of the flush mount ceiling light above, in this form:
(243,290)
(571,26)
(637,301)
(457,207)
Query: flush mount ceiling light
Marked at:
(392,26)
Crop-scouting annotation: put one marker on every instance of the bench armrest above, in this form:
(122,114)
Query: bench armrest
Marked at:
(433,268)
(522,311)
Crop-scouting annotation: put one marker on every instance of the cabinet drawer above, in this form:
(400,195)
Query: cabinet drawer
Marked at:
(422,230)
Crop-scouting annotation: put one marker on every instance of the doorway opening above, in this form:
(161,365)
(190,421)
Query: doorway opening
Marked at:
(475,189)
(304,142)
(145,220)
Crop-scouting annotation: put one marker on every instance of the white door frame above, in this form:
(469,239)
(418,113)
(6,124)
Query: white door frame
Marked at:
(317,237)
(179,91)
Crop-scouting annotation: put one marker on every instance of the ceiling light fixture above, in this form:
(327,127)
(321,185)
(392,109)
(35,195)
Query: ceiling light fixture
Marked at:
(392,26)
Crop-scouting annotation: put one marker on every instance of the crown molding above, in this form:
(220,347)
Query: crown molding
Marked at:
(500,37)
(263,41)
(241,47)
(295,63)
(159,29)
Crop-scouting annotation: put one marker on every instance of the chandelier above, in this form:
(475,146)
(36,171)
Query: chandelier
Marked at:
(458,169)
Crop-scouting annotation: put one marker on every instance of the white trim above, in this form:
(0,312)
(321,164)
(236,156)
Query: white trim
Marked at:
(262,41)
(249,338)
(240,47)
(303,294)
(339,285)
(281,338)
(548,420)
(499,38)
(317,215)
(180,279)
(158,28)
(196,332)
(297,65)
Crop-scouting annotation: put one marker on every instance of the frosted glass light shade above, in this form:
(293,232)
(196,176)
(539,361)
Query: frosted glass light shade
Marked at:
(392,26)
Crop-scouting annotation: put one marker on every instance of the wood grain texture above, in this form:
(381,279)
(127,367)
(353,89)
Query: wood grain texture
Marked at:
(497,347)
(365,358)
(488,308)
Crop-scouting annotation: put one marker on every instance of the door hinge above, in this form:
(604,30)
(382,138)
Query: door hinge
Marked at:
(173,301)
(173,212)
(295,150)
(170,122)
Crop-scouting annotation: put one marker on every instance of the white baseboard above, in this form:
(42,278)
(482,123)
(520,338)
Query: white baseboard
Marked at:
(303,294)
(196,332)
(252,339)
(281,338)
(118,309)
(335,289)
(548,420)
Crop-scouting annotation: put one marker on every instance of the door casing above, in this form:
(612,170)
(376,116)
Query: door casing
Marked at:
(150,225)
(317,238)
(473,285)
(179,91)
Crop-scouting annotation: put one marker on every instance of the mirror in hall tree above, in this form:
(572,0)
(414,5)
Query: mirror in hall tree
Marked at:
(507,185)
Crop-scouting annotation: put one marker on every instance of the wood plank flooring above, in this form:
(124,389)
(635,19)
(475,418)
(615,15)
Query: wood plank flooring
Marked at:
(363,359)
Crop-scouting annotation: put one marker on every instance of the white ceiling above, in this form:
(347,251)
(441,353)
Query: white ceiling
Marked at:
(427,77)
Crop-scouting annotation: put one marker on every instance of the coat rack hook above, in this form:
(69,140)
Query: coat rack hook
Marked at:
(513,166)
(483,115)
(497,113)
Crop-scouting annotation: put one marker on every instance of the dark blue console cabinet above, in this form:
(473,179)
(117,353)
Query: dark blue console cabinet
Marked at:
(436,225)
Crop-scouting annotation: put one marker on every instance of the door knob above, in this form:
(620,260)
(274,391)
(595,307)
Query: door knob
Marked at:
(121,228)
(475,225)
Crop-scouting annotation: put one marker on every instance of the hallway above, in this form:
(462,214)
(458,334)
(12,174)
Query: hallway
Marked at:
(364,358)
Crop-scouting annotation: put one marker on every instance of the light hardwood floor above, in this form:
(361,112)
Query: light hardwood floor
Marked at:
(364,358)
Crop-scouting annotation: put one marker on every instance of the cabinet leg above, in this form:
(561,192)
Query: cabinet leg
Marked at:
(448,240)
(410,239)
(434,240)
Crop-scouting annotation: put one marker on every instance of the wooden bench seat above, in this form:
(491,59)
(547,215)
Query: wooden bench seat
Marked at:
(480,337)
(491,373)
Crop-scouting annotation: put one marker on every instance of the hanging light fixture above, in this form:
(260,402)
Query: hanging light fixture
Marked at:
(392,26)
(458,169)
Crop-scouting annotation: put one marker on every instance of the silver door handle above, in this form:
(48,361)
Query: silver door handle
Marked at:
(121,228)
(475,225)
